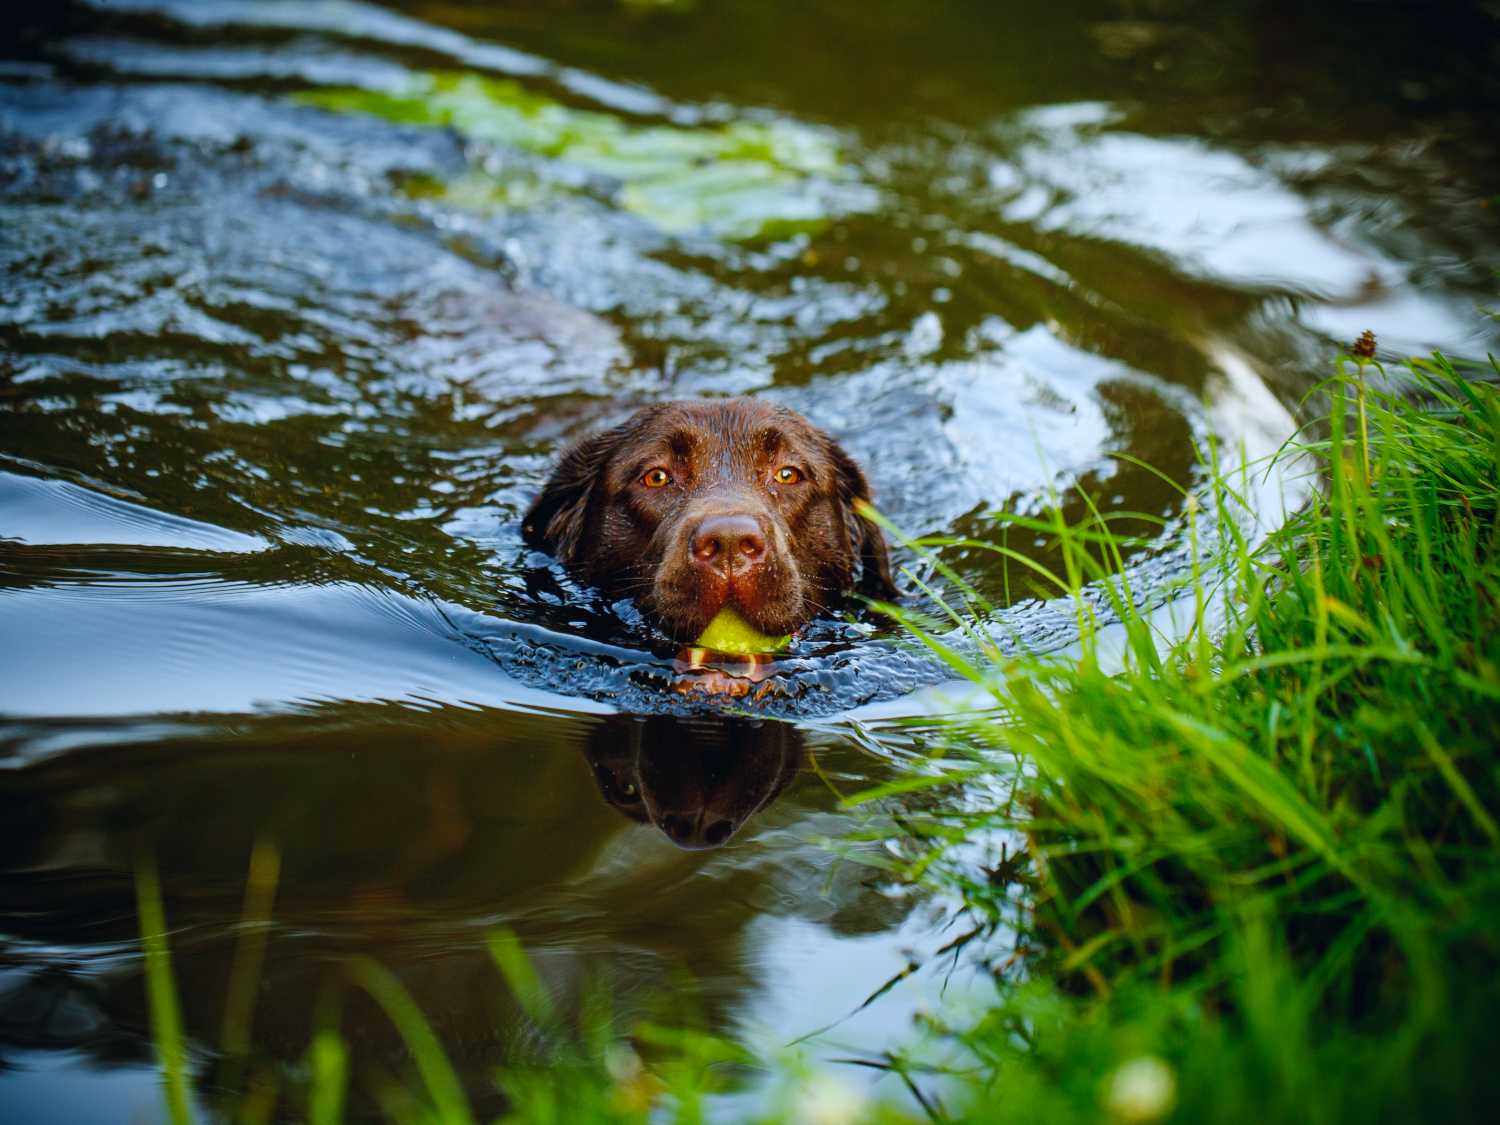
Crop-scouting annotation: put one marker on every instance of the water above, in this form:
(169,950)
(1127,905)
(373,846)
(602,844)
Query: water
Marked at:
(300,300)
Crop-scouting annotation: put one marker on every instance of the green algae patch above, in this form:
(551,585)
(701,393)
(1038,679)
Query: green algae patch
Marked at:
(730,633)
(741,181)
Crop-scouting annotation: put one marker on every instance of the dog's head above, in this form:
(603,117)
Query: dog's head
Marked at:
(698,783)
(689,507)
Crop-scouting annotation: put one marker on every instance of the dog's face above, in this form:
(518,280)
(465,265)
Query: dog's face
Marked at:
(692,506)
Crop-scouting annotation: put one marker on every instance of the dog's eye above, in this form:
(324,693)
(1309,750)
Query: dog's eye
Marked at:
(788,474)
(656,478)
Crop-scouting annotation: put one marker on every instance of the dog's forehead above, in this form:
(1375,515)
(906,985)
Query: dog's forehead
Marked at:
(736,427)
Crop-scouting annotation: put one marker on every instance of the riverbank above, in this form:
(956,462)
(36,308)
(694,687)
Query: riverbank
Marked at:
(1262,879)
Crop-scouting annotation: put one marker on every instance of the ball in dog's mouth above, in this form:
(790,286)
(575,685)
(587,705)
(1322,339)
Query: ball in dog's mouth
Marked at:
(731,634)
(730,657)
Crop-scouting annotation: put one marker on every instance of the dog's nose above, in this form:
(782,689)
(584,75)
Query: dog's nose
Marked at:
(691,834)
(728,543)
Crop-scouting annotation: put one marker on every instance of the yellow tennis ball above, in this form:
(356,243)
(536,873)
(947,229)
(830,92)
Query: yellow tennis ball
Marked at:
(731,633)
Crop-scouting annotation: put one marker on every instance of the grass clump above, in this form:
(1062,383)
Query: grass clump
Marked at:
(1262,860)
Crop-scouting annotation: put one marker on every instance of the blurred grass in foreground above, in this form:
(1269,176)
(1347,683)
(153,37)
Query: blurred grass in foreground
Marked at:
(1263,870)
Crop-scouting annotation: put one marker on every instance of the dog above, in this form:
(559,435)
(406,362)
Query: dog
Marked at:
(689,507)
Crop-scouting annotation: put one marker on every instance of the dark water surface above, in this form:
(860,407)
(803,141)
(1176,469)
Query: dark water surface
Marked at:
(298,301)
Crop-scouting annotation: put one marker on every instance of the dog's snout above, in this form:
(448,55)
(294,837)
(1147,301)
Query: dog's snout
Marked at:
(689,832)
(729,543)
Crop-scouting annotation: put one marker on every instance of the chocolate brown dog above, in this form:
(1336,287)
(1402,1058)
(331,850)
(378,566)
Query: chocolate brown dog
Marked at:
(691,506)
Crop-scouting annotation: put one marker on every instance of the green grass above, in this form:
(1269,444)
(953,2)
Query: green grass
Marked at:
(1264,852)
(584,1069)
(1261,873)
(161,995)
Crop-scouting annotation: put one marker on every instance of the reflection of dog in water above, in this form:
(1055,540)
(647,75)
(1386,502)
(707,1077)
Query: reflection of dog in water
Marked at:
(696,780)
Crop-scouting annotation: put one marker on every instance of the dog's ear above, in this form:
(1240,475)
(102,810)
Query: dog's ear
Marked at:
(864,533)
(554,522)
